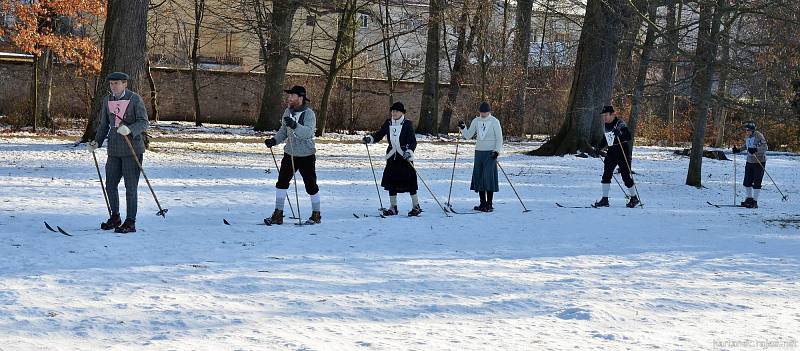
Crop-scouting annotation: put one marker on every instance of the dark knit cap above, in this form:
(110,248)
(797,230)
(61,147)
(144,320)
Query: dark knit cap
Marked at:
(117,76)
(484,107)
(398,106)
(751,126)
(607,109)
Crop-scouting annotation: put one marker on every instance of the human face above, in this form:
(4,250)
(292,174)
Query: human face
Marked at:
(608,117)
(117,86)
(294,100)
(396,114)
(484,114)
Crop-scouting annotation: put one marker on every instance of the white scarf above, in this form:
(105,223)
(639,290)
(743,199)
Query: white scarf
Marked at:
(395,128)
(484,124)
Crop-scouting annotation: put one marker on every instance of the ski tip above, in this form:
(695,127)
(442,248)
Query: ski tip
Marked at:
(266,221)
(49,227)
(226,221)
(62,231)
(355,215)
(559,205)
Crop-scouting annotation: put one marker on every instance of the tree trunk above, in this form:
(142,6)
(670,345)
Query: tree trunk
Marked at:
(429,108)
(42,85)
(199,12)
(515,117)
(458,74)
(641,74)
(153,94)
(669,69)
(275,49)
(625,78)
(720,111)
(346,20)
(704,65)
(124,49)
(593,80)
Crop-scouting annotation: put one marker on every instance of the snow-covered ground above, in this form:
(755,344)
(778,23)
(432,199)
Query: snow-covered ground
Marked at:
(677,274)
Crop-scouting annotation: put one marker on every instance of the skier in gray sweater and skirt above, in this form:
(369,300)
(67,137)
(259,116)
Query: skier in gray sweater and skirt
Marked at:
(486,128)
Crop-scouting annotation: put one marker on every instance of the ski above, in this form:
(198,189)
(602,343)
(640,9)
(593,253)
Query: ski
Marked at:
(562,206)
(719,206)
(58,230)
(364,215)
(450,209)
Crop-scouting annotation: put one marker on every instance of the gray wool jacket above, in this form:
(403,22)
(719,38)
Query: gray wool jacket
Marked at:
(135,117)
(302,143)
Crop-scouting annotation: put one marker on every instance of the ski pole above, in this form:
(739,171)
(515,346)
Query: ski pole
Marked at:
(161,211)
(630,171)
(734,179)
(288,198)
(374,177)
(429,188)
(102,186)
(783,197)
(453,175)
(525,209)
(294,178)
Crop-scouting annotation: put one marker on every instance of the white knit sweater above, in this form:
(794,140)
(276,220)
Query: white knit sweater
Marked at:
(488,131)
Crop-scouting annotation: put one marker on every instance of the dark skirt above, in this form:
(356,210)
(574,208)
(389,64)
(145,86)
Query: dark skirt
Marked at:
(399,176)
(484,173)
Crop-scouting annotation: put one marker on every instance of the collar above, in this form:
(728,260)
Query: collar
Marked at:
(302,107)
(124,92)
(399,121)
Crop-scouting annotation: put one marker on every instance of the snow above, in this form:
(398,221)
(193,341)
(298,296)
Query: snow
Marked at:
(677,274)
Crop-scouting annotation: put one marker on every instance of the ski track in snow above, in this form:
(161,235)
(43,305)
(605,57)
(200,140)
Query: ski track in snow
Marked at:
(675,275)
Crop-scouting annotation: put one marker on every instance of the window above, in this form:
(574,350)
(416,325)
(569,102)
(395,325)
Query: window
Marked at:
(363,20)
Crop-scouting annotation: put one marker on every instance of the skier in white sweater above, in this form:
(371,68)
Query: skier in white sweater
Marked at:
(488,146)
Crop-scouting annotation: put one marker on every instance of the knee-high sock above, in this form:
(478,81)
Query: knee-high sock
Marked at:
(315,202)
(606,189)
(414,200)
(755,193)
(489,197)
(393,200)
(749,191)
(280,198)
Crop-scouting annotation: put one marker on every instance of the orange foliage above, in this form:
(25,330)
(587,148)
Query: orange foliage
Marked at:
(33,30)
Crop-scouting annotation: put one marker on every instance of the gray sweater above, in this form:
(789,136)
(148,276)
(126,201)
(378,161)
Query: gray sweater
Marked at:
(302,143)
(135,117)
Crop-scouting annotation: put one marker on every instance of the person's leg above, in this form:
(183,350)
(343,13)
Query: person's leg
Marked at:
(130,173)
(308,170)
(758,177)
(113,176)
(749,180)
(284,178)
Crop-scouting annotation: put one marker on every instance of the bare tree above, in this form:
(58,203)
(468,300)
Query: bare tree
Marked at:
(429,108)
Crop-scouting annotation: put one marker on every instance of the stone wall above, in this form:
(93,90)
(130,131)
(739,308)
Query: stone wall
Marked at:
(235,97)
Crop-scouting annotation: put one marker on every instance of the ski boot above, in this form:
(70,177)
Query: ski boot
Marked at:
(128,227)
(633,202)
(747,202)
(753,204)
(111,223)
(276,218)
(415,212)
(480,207)
(603,202)
(391,211)
(316,218)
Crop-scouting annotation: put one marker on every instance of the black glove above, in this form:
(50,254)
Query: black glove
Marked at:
(462,125)
(290,122)
(736,150)
(408,155)
(367,139)
(494,155)
(751,150)
(270,143)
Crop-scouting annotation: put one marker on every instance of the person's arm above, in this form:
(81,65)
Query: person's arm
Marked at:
(102,126)
(761,145)
(280,135)
(141,123)
(498,147)
(382,132)
(469,133)
(309,126)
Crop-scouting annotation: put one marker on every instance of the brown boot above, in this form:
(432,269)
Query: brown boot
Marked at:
(111,223)
(128,227)
(276,218)
(316,218)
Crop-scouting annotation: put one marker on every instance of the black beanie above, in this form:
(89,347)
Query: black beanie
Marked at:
(607,109)
(398,106)
(484,107)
